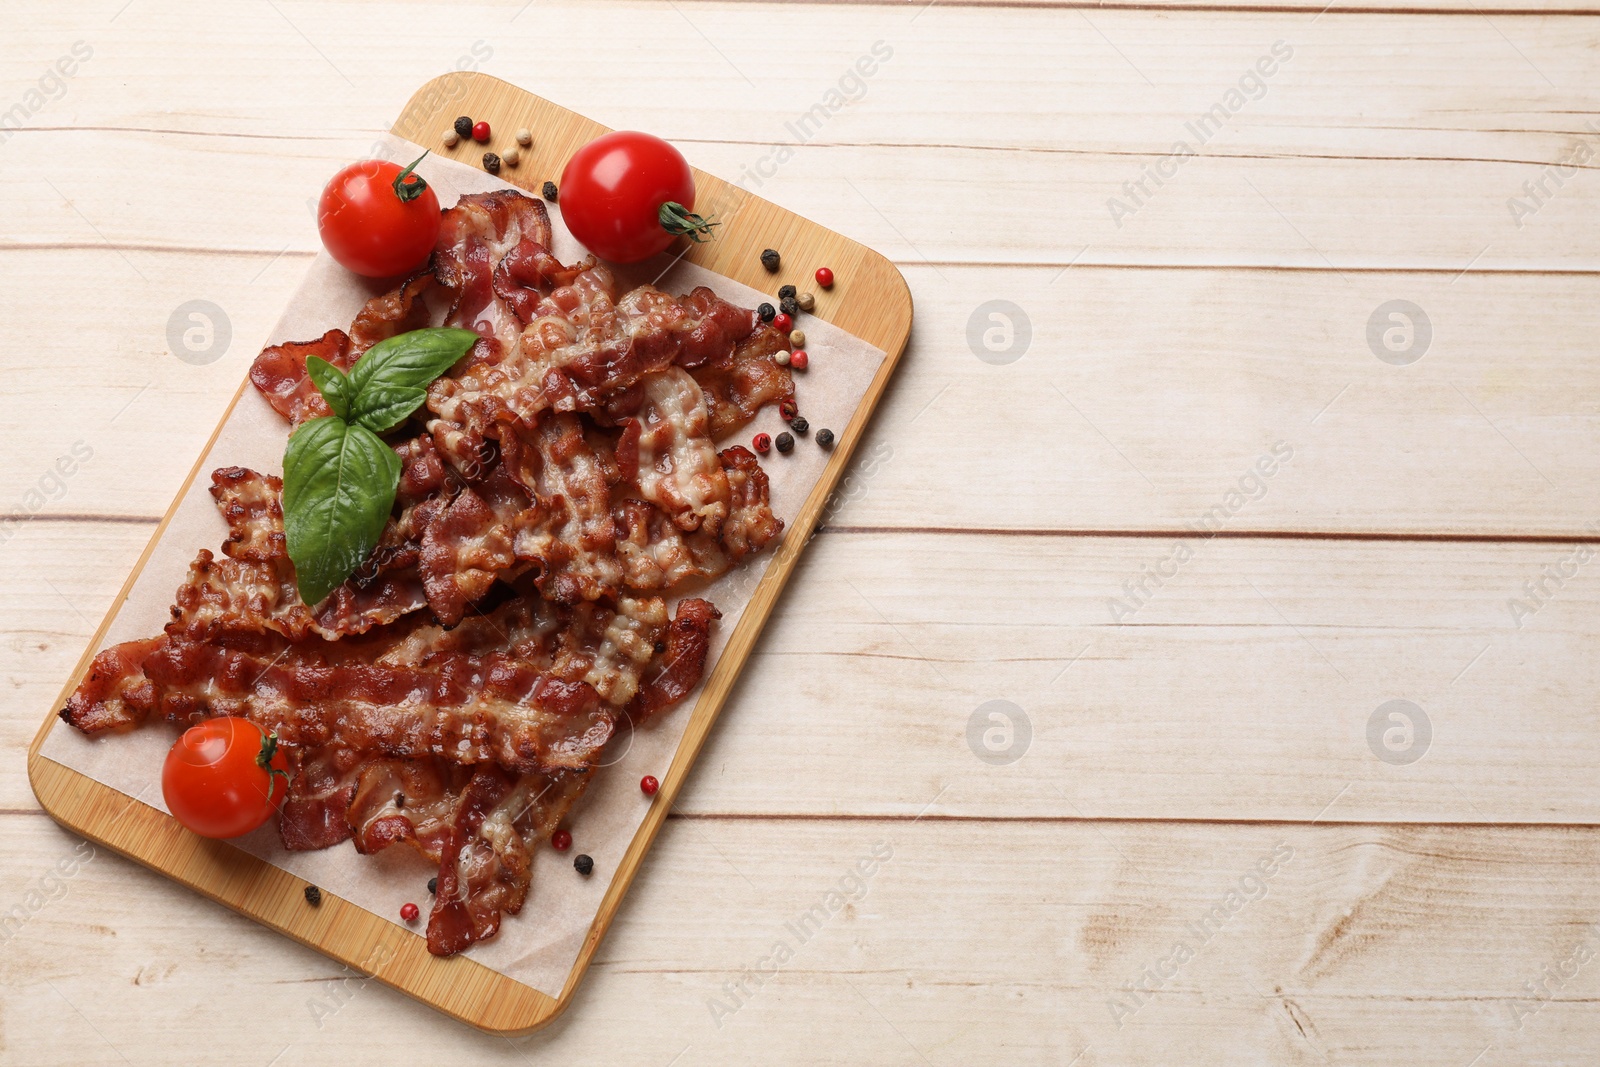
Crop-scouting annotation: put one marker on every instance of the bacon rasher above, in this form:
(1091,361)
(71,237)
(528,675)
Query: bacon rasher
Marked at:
(457,692)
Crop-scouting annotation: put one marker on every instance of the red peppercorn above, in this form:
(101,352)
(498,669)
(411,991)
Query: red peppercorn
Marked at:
(787,409)
(409,912)
(649,784)
(480,132)
(762,442)
(782,322)
(825,277)
(561,840)
(798,359)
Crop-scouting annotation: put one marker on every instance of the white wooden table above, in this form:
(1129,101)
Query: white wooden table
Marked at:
(1415,883)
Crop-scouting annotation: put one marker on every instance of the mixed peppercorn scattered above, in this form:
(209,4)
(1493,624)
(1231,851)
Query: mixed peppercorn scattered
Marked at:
(771,260)
(583,864)
(648,785)
(550,191)
(313,896)
(409,912)
(561,840)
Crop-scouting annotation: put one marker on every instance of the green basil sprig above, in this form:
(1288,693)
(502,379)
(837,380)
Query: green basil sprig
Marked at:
(339,478)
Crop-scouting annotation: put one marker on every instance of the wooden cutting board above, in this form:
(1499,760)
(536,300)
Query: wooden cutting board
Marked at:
(871,301)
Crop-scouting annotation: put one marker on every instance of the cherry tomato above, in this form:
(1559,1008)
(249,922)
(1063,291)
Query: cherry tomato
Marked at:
(377,219)
(224,777)
(626,195)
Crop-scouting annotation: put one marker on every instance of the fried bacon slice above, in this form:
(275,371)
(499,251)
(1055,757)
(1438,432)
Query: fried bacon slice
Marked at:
(279,372)
(666,451)
(656,554)
(566,475)
(740,380)
(680,668)
(253,590)
(571,534)
(475,236)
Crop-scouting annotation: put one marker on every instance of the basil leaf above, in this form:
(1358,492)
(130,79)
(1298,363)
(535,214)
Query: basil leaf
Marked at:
(339,483)
(331,383)
(397,371)
(383,407)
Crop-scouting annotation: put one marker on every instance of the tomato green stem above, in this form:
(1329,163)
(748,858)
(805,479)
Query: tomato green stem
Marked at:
(675,218)
(269,749)
(408,191)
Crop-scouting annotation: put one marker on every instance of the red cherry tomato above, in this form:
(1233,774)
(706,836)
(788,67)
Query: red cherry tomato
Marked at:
(626,195)
(224,777)
(377,219)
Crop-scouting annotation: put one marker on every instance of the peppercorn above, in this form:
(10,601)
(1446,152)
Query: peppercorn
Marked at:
(825,277)
(491,163)
(480,132)
(825,438)
(561,840)
(785,443)
(789,306)
(797,338)
(781,358)
(786,290)
(409,912)
(550,191)
(648,785)
(433,886)
(788,410)
(762,442)
(451,138)
(463,126)
(583,864)
(799,424)
(511,157)
(524,138)
(783,323)
(765,312)
(806,301)
(770,260)
(798,359)
(313,896)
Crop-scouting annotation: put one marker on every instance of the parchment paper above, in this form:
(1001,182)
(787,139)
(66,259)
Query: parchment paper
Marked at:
(539,946)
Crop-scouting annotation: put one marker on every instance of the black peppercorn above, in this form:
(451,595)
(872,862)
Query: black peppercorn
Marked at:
(313,896)
(770,260)
(583,864)
(766,312)
(491,163)
(789,306)
(433,885)
(799,424)
(787,290)
(464,127)
(785,442)
(550,191)
(825,438)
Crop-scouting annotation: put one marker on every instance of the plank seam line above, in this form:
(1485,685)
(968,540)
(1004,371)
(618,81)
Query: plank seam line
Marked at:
(1130,819)
(1144,5)
(995,531)
(904,264)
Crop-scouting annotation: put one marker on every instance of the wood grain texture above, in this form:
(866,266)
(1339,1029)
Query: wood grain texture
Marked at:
(1206,326)
(872,302)
(972,942)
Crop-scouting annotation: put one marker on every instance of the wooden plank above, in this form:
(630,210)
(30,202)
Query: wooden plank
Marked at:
(1243,688)
(1365,946)
(880,312)
(1142,398)
(1041,117)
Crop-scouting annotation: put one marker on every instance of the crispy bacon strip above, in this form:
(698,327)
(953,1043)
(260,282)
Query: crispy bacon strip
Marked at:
(571,535)
(390,314)
(115,694)
(279,372)
(465,546)
(475,235)
(688,644)
(656,554)
(742,379)
(315,812)
(666,451)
